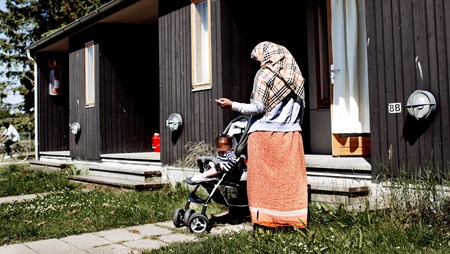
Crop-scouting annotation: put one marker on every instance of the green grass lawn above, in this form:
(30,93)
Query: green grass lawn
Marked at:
(69,208)
(332,231)
(18,179)
(418,226)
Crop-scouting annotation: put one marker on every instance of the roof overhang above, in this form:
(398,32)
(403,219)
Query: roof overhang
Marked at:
(116,11)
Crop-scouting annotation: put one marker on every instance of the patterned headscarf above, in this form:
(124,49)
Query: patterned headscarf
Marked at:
(278,76)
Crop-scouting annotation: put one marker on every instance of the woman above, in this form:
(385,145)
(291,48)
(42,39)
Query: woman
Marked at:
(276,179)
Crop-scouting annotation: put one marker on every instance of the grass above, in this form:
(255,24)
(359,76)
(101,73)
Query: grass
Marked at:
(193,151)
(416,222)
(18,179)
(331,231)
(69,209)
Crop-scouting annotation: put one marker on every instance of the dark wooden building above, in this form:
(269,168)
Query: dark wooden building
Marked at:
(144,72)
(409,49)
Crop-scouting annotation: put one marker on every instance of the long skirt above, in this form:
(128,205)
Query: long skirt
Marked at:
(276,179)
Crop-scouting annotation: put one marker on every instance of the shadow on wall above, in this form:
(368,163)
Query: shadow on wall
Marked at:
(413,128)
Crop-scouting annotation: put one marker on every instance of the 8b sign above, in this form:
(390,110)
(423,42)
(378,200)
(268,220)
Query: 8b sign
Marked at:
(395,108)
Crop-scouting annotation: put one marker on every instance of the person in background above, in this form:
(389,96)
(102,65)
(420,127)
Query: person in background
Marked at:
(11,136)
(276,177)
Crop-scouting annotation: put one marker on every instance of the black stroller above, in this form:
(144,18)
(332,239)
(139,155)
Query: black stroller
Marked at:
(227,188)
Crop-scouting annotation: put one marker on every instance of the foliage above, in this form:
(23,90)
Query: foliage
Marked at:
(193,151)
(23,122)
(24,22)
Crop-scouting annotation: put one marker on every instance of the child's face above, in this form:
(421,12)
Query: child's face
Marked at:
(223,147)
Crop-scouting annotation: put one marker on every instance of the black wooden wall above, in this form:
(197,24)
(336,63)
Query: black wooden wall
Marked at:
(129,87)
(201,118)
(53,111)
(86,145)
(408,49)
(126,111)
(235,32)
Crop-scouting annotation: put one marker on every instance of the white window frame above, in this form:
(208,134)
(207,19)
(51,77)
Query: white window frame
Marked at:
(201,44)
(89,66)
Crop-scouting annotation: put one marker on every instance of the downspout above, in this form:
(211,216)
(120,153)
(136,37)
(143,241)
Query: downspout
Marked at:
(36,127)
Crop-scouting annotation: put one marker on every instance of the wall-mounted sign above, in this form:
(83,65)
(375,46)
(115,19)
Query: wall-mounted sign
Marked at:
(395,108)
(54,66)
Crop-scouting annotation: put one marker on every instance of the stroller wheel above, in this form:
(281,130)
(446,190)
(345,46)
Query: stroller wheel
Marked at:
(187,215)
(198,223)
(178,216)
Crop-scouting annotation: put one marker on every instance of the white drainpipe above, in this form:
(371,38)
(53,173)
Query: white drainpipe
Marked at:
(36,127)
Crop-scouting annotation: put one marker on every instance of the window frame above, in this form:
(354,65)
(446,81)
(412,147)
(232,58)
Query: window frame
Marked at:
(198,60)
(89,77)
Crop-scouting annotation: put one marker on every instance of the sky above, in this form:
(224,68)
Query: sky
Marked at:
(11,98)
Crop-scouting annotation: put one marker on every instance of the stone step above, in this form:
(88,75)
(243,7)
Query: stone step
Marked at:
(339,174)
(142,159)
(127,172)
(317,162)
(50,165)
(333,190)
(119,183)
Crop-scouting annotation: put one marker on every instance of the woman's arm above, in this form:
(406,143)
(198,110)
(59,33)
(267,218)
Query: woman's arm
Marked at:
(243,108)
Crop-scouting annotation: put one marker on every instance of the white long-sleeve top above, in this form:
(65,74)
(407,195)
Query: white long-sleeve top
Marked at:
(12,133)
(284,117)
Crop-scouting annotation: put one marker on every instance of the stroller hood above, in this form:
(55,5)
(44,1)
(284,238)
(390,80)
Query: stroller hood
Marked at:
(237,129)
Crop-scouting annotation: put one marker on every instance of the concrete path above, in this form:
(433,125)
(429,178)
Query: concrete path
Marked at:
(116,241)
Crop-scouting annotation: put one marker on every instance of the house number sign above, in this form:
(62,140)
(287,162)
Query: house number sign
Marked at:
(395,108)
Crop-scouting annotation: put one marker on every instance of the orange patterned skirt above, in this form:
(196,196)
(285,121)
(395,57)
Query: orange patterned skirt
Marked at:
(276,179)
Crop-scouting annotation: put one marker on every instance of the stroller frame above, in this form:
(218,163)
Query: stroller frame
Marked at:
(227,189)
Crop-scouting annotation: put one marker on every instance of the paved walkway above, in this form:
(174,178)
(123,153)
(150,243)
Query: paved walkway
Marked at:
(116,241)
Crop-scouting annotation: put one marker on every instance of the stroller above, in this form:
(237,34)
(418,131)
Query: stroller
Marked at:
(227,188)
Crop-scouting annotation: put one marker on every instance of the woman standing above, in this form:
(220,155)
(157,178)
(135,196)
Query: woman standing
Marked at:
(276,179)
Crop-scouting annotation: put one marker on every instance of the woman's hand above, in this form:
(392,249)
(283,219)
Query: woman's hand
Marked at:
(224,103)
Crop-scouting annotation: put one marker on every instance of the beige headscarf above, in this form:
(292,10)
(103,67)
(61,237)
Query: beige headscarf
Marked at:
(278,77)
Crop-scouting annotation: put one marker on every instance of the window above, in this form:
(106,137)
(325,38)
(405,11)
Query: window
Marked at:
(89,52)
(201,44)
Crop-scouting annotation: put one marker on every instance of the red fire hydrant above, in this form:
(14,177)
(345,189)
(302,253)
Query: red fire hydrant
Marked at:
(155,142)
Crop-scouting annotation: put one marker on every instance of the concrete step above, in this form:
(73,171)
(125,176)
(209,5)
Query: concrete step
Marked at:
(316,162)
(120,183)
(138,159)
(50,165)
(127,172)
(354,193)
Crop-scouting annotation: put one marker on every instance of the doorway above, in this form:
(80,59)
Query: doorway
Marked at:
(339,104)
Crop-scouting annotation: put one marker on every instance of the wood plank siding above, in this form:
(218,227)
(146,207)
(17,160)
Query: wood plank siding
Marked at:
(198,109)
(129,90)
(235,31)
(126,113)
(408,49)
(86,146)
(53,111)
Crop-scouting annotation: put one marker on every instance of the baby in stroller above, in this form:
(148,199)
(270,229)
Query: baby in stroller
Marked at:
(226,157)
(220,176)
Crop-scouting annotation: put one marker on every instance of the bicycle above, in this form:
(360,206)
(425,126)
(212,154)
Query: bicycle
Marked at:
(18,151)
